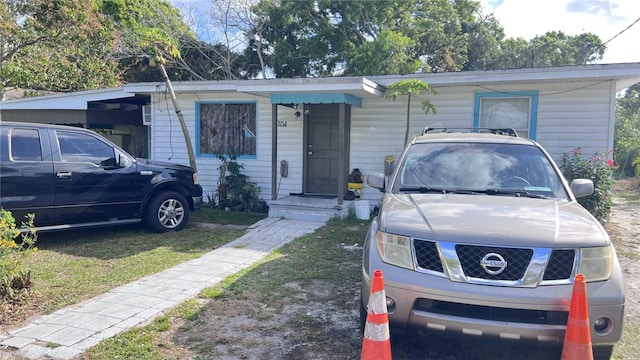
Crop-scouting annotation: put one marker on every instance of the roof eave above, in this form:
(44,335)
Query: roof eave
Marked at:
(626,74)
(66,101)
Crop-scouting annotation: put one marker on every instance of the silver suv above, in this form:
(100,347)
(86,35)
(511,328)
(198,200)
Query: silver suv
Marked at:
(479,234)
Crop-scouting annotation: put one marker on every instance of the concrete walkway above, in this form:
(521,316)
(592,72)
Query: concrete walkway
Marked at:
(79,327)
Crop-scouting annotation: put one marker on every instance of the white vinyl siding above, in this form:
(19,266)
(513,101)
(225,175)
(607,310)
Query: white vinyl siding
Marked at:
(577,118)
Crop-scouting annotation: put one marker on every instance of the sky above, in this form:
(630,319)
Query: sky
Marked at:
(605,18)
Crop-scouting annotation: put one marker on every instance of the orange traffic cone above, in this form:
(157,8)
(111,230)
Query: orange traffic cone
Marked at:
(376,344)
(577,338)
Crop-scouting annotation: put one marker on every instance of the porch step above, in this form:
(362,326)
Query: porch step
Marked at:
(309,209)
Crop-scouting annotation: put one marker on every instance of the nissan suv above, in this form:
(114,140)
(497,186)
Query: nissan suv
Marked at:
(71,177)
(478,233)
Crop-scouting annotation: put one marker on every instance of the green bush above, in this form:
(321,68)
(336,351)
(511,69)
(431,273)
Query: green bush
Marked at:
(600,170)
(235,191)
(15,278)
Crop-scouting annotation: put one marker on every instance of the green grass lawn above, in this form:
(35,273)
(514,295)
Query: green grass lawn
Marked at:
(71,266)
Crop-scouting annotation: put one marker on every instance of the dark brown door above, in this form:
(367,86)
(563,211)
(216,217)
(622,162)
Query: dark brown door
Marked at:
(322,149)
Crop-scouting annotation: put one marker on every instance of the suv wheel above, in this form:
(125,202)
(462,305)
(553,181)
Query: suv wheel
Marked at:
(167,211)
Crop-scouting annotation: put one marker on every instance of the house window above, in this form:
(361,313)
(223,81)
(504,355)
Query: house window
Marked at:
(226,128)
(517,110)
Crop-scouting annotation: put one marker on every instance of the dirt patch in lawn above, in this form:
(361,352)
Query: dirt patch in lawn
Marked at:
(624,228)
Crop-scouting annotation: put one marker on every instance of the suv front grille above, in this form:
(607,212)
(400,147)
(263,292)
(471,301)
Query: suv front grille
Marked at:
(560,265)
(427,255)
(464,263)
(517,261)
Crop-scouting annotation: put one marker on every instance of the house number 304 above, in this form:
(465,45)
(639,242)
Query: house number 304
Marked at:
(282,123)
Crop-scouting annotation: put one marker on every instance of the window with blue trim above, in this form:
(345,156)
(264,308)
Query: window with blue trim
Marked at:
(227,128)
(517,110)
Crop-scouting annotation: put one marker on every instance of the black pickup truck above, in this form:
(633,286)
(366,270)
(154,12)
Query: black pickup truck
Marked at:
(71,177)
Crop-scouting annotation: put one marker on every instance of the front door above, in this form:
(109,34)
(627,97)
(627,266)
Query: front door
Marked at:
(322,147)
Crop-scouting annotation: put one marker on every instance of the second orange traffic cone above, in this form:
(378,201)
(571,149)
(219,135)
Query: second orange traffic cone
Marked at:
(376,344)
(577,338)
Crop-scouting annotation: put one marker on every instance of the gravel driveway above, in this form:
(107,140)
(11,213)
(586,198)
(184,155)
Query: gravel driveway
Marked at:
(625,229)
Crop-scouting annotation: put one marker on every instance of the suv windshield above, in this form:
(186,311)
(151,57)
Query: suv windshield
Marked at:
(479,168)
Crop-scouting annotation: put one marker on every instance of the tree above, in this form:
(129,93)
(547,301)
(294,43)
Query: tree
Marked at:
(54,46)
(551,49)
(438,28)
(178,110)
(199,60)
(154,45)
(555,48)
(626,148)
(387,54)
(234,25)
(327,38)
(131,22)
(412,87)
(336,37)
(202,61)
(486,38)
(297,37)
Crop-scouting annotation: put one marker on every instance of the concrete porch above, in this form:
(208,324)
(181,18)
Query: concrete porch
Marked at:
(309,208)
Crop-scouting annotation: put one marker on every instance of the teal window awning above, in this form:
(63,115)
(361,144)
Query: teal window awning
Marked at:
(319,98)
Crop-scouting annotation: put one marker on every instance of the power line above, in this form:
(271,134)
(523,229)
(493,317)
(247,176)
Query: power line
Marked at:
(618,34)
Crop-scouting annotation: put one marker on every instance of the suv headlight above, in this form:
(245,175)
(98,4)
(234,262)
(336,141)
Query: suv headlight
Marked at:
(596,264)
(395,249)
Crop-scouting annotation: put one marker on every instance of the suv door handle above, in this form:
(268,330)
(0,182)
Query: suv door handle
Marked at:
(63,175)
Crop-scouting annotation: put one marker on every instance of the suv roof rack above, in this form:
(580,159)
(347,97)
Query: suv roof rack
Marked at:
(497,131)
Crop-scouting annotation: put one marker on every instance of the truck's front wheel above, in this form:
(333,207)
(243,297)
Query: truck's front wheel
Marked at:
(167,211)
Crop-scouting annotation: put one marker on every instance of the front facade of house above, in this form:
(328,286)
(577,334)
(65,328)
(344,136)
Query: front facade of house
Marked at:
(321,129)
(305,135)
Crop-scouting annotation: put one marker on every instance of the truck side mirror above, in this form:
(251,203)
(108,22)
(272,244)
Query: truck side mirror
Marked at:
(581,187)
(376,180)
(109,163)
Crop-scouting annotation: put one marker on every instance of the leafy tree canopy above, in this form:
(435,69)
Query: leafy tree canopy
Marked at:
(54,46)
(626,148)
(320,38)
(142,28)
(145,29)
(389,53)
(334,37)
(71,45)
(551,49)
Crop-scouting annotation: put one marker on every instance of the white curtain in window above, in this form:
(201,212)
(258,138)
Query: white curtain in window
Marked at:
(511,112)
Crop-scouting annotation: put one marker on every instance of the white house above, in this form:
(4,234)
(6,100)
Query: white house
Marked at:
(322,128)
